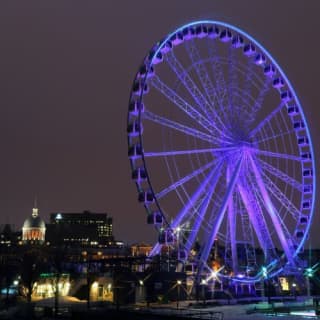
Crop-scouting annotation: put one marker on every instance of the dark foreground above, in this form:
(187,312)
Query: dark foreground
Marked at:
(237,310)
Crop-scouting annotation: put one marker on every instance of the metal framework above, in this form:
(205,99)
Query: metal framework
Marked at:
(218,142)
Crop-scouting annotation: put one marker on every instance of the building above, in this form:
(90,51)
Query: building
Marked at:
(86,228)
(34,229)
(8,236)
(140,249)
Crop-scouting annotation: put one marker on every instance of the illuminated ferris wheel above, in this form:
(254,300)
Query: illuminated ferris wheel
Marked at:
(220,152)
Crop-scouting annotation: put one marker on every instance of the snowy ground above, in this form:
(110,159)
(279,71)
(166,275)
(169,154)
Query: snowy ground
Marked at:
(240,311)
(230,312)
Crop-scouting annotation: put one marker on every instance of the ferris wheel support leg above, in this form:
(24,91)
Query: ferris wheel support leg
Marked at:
(192,200)
(232,228)
(155,250)
(204,207)
(219,218)
(189,205)
(258,221)
(272,212)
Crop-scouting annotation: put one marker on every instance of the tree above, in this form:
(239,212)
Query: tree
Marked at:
(8,271)
(58,259)
(30,270)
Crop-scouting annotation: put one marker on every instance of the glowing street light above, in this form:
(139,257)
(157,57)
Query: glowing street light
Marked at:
(203,283)
(179,282)
(309,272)
(264,272)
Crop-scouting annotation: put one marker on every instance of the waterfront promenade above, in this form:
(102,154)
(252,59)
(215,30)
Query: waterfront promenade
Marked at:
(240,310)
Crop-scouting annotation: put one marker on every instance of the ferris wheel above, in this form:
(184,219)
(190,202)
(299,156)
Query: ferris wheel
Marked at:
(220,152)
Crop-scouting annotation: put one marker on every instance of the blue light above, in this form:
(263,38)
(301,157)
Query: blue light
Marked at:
(267,54)
(11,291)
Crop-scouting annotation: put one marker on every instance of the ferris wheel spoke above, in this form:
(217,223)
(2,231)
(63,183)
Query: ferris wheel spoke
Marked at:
(188,83)
(181,103)
(246,100)
(221,86)
(257,219)
(276,155)
(194,91)
(281,175)
(232,226)
(179,127)
(266,120)
(248,83)
(203,209)
(187,152)
(283,236)
(196,195)
(185,179)
(219,216)
(204,78)
(206,226)
(276,192)
(275,136)
(262,93)
(232,76)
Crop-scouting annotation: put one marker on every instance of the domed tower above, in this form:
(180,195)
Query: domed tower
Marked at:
(34,228)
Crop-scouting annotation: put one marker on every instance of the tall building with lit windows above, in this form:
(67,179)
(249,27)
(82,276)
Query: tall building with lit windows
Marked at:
(86,228)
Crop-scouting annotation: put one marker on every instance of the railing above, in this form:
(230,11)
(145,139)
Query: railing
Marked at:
(184,313)
(203,314)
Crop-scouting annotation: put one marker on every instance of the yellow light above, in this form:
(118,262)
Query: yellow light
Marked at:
(95,285)
(179,282)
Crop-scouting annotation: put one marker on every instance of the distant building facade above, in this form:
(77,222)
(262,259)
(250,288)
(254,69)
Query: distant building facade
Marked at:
(140,249)
(33,229)
(9,236)
(86,228)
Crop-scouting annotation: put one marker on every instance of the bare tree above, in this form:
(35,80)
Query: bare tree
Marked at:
(30,270)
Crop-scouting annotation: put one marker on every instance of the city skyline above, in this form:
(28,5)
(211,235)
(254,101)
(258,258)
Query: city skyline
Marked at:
(66,76)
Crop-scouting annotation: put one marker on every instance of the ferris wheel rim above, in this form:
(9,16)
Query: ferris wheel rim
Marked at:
(279,69)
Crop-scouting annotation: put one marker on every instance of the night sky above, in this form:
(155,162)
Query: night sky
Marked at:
(66,69)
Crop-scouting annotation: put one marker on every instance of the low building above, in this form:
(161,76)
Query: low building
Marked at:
(140,249)
(84,229)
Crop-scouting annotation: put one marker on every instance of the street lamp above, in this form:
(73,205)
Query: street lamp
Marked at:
(179,282)
(203,284)
(294,285)
(265,283)
(309,274)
